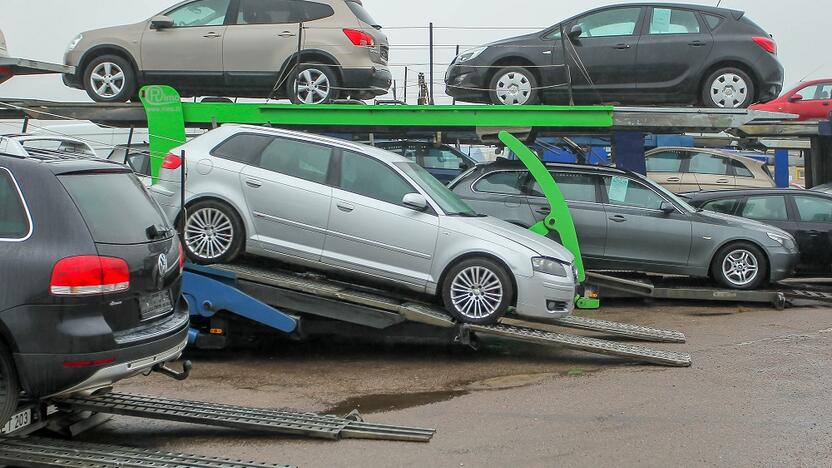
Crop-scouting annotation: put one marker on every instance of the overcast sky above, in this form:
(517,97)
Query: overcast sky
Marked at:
(41,29)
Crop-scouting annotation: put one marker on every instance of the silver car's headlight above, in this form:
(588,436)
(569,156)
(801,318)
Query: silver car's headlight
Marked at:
(470,54)
(786,241)
(549,266)
(72,45)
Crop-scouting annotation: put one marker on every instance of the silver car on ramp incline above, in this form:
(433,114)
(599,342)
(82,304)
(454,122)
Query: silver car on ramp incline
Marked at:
(362,213)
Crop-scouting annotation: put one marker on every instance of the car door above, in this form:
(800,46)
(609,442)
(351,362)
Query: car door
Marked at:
(813,103)
(259,40)
(640,235)
(769,209)
(190,51)
(606,52)
(712,171)
(501,194)
(672,51)
(813,231)
(288,197)
(371,231)
(588,213)
(668,169)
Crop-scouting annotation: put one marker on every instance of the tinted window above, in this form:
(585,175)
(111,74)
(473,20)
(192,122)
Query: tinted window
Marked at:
(721,206)
(311,11)
(365,176)
(139,163)
(243,148)
(667,161)
(672,21)
(626,192)
(437,158)
(712,20)
(200,13)
(740,169)
(505,182)
(306,161)
(450,202)
(115,206)
(14,223)
(704,163)
(361,13)
(813,209)
(573,186)
(616,22)
(766,208)
(280,11)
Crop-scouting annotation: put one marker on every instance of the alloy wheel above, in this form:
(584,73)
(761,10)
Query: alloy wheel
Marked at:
(209,233)
(740,267)
(107,79)
(729,91)
(514,89)
(313,86)
(476,292)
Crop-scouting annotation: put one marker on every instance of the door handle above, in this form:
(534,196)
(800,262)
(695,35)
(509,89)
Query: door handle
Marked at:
(544,211)
(345,207)
(254,183)
(814,233)
(622,46)
(287,34)
(212,35)
(722,181)
(674,179)
(547,52)
(618,219)
(697,43)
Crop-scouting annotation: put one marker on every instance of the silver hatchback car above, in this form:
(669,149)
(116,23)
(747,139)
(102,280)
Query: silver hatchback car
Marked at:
(362,213)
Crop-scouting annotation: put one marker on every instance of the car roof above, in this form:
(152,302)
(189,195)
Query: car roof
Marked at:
(717,194)
(64,163)
(743,155)
(736,14)
(502,163)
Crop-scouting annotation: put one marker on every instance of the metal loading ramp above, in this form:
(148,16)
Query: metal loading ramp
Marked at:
(32,452)
(243,418)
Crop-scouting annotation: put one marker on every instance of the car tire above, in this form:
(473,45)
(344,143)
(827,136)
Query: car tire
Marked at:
(740,266)
(728,88)
(9,386)
(514,86)
(477,291)
(213,233)
(319,85)
(110,78)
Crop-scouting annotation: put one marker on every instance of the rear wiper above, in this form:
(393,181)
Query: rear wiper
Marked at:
(155,231)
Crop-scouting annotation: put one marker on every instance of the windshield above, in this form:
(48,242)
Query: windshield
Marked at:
(669,195)
(450,202)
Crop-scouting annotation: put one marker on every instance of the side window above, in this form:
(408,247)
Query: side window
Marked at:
(673,21)
(705,163)
(728,206)
(766,208)
(200,13)
(627,192)
(438,158)
(814,209)
(371,178)
(504,182)
(666,161)
(14,222)
(266,12)
(825,91)
(809,93)
(712,20)
(139,163)
(740,169)
(244,148)
(574,186)
(311,11)
(306,161)
(609,23)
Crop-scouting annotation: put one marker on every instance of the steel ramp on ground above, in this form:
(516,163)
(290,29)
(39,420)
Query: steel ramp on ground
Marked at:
(31,452)
(238,417)
(622,329)
(582,343)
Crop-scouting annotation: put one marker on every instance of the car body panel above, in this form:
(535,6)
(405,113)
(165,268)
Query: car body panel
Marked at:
(814,101)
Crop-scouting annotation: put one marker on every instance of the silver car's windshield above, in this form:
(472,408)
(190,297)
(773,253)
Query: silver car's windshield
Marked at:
(450,202)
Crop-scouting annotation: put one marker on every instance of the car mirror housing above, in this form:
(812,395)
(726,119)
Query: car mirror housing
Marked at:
(576,32)
(161,22)
(796,98)
(667,207)
(415,201)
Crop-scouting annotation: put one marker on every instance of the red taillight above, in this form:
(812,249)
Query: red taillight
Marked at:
(172,161)
(360,38)
(766,43)
(96,363)
(89,275)
(181,257)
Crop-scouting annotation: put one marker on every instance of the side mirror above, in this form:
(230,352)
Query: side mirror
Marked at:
(668,208)
(796,98)
(161,22)
(575,32)
(415,201)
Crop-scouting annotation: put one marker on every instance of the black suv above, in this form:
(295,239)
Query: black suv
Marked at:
(630,54)
(90,278)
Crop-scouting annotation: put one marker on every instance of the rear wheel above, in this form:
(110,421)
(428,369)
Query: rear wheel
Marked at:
(740,266)
(213,233)
(110,78)
(477,291)
(728,88)
(514,86)
(313,84)
(9,386)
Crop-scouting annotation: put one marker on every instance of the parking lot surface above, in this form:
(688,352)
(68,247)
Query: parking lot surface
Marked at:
(752,398)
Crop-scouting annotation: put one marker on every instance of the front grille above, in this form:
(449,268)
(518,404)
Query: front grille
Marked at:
(385,53)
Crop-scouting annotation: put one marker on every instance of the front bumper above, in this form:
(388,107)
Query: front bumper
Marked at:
(366,82)
(467,83)
(783,263)
(545,296)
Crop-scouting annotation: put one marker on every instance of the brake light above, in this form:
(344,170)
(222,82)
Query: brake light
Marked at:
(360,38)
(172,161)
(89,275)
(181,257)
(768,44)
(82,364)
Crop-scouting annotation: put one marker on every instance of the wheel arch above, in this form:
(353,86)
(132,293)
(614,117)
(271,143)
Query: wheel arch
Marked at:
(305,56)
(218,199)
(107,49)
(731,63)
(513,61)
(741,241)
(477,254)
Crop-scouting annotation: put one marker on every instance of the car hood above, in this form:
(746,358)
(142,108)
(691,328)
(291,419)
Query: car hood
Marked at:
(535,36)
(737,222)
(130,33)
(497,230)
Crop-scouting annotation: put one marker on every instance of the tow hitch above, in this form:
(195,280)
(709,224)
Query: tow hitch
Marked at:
(163,369)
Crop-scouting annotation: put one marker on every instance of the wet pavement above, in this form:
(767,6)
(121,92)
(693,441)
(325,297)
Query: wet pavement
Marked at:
(756,396)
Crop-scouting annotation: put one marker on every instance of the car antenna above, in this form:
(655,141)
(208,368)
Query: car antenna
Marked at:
(812,72)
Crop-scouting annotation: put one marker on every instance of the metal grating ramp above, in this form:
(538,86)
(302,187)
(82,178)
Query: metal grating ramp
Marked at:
(238,417)
(582,343)
(817,296)
(622,329)
(36,453)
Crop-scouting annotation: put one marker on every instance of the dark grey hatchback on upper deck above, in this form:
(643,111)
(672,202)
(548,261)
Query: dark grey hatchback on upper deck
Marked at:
(626,222)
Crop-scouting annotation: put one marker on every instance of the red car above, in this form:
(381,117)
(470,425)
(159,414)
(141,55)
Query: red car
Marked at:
(810,100)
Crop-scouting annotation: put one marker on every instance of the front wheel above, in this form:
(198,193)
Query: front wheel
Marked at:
(728,88)
(514,86)
(477,291)
(740,266)
(110,78)
(213,233)
(313,84)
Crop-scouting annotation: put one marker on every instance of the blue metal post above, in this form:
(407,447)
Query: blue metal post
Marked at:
(781,168)
(628,151)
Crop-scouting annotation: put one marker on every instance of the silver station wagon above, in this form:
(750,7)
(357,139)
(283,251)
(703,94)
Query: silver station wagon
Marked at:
(362,213)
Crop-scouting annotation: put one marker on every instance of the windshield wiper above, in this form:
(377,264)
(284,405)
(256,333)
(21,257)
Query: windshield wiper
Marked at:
(466,214)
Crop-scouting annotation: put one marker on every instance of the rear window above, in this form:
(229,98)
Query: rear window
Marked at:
(361,13)
(14,222)
(115,206)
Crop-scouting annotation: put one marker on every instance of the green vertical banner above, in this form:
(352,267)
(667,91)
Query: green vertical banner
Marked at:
(165,122)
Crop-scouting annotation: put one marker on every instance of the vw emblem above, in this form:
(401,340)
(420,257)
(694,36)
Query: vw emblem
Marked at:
(163,264)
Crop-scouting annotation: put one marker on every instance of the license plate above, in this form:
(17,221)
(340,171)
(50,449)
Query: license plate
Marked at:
(156,304)
(19,421)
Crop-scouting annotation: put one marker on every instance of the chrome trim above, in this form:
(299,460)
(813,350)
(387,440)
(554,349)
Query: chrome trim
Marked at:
(25,208)
(291,223)
(381,245)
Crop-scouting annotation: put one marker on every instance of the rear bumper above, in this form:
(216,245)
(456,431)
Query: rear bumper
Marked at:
(366,82)
(72,81)
(771,81)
